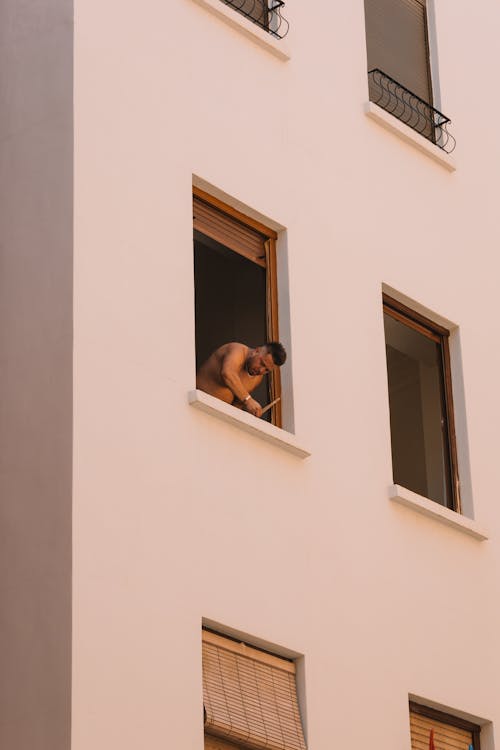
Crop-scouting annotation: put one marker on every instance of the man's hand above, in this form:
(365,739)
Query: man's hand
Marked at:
(253,407)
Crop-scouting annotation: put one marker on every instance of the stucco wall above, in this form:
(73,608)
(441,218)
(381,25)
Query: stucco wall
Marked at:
(179,516)
(35,373)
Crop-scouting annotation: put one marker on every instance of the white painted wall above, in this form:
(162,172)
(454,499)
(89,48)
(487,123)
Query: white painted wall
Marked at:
(179,516)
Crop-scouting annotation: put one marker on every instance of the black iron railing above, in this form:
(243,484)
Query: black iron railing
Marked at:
(264,13)
(410,109)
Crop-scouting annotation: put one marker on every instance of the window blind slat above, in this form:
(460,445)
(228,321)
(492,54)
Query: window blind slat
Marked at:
(216,743)
(249,700)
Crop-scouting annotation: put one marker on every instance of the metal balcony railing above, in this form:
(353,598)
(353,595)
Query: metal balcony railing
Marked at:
(264,13)
(410,109)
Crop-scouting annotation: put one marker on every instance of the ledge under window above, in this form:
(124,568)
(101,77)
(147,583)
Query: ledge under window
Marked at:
(436,511)
(238,21)
(247,422)
(407,134)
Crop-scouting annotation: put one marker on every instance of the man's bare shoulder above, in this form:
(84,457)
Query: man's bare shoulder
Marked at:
(236,347)
(232,351)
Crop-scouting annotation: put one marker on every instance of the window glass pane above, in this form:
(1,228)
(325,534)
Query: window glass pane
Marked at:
(419,432)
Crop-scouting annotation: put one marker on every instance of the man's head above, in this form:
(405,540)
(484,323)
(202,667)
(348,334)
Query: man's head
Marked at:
(262,360)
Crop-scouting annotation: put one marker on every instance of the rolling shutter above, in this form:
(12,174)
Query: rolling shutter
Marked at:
(230,232)
(397,43)
(446,736)
(249,696)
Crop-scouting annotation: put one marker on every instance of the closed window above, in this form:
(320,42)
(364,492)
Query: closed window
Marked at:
(399,70)
(397,43)
(430,728)
(424,457)
(249,697)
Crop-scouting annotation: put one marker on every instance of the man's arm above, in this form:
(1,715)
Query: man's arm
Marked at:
(231,366)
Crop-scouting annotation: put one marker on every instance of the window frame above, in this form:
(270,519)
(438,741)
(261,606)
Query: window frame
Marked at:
(445,718)
(270,265)
(439,335)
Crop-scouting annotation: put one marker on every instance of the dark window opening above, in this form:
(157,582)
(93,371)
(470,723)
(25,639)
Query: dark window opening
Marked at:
(230,303)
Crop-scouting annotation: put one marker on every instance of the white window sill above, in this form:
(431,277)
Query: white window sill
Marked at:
(438,512)
(407,134)
(231,16)
(247,422)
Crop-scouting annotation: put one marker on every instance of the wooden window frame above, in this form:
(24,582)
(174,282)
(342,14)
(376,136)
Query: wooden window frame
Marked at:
(452,721)
(439,335)
(269,262)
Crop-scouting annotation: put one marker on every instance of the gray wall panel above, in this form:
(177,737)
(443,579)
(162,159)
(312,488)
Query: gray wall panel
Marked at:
(36,197)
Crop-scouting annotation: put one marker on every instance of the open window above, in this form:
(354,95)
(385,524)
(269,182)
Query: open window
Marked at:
(249,697)
(424,455)
(236,294)
(448,732)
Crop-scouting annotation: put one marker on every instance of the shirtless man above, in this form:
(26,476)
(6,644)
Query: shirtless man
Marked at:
(234,370)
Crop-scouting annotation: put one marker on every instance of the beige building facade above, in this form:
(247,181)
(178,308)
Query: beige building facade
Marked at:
(137,510)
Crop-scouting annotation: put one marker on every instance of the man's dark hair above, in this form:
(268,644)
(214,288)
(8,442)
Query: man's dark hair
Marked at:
(277,351)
